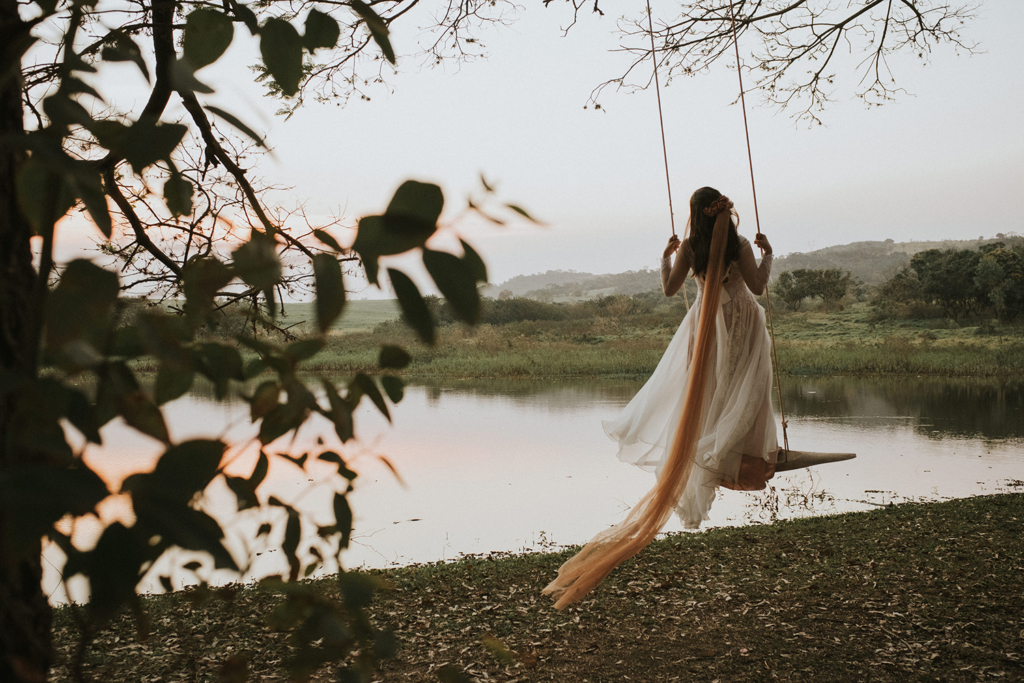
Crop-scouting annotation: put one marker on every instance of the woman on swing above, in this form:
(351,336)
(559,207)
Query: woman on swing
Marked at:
(704,419)
(737,446)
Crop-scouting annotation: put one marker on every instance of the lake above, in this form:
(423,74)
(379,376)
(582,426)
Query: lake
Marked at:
(499,466)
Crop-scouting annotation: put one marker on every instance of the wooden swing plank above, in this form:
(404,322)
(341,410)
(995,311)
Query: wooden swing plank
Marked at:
(795,460)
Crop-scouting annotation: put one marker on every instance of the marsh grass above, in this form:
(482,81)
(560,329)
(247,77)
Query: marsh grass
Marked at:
(911,592)
(815,343)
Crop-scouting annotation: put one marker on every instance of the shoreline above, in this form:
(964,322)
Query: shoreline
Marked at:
(919,590)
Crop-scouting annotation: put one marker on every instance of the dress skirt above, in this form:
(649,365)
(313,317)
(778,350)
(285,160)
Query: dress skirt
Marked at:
(738,418)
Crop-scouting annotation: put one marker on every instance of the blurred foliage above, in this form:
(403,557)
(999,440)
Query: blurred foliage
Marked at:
(169,197)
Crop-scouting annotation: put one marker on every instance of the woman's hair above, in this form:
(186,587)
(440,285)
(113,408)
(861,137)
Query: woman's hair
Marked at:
(701,227)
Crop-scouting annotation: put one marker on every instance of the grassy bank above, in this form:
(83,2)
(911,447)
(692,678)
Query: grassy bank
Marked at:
(841,343)
(912,592)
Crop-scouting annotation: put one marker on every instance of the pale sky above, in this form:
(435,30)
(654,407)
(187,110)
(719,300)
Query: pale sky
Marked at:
(944,162)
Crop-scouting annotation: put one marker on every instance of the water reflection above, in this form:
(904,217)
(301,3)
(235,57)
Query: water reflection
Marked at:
(507,466)
(937,408)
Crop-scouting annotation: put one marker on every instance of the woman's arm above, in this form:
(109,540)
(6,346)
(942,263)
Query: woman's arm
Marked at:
(756,276)
(673,275)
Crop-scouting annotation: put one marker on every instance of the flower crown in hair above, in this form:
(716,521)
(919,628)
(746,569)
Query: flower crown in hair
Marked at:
(718,206)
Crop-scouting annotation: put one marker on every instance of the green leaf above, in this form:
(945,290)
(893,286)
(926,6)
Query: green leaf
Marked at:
(498,649)
(259,472)
(115,379)
(89,189)
(186,469)
(245,493)
(281,47)
(64,112)
(247,16)
(341,412)
(78,313)
(171,383)
(394,387)
(179,525)
(82,415)
(114,570)
(330,290)
(386,236)
(451,674)
(42,194)
(343,469)
(378,28)
(264,399)
(237,123)
(421,202)
(220,363)
(475,263)
(143,415)
(74,86)
(208,33)
(37,496)
(126,342)
(393,357)
(255,367)
(304,348)
(522,212)
(178,192)
(119,47)
(408,222)
(281,420)
(327,239)
(414,308)
(357,589)
(204,278)
(148,141)
(257,263)
(290,545)
(456,281)
(369,388)
(321,31)
(163,336)
(343,518)
(183,80)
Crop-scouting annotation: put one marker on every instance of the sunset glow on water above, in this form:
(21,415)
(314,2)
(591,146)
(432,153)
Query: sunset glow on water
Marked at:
(511,466)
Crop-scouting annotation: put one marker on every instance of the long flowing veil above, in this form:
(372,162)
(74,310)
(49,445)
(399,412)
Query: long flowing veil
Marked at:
(589,567)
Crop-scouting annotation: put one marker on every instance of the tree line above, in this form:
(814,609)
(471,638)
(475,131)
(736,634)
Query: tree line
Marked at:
(957,283)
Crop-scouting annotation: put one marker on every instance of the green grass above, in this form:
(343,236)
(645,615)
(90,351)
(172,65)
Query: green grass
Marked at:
(841,343)
(616,345)
(359,315)
(913,592)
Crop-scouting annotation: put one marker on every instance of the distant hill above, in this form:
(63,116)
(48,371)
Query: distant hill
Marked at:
(560,285)
(876,262)
(872,262)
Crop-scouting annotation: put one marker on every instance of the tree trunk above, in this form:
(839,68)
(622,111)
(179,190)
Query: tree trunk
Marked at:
(26,650)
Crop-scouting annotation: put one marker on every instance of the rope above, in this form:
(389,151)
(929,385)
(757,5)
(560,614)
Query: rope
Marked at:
(757,219)
(664,145)
(661,120)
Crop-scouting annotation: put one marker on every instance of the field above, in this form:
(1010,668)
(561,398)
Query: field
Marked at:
(358,315)
(903,593)
(614,344)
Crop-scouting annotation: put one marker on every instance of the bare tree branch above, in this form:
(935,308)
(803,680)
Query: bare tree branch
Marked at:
(783,36)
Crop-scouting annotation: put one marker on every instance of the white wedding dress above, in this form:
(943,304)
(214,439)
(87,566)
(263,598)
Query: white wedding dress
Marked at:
(738,417)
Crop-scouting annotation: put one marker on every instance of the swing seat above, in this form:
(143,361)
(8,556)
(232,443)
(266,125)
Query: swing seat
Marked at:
(795,460)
